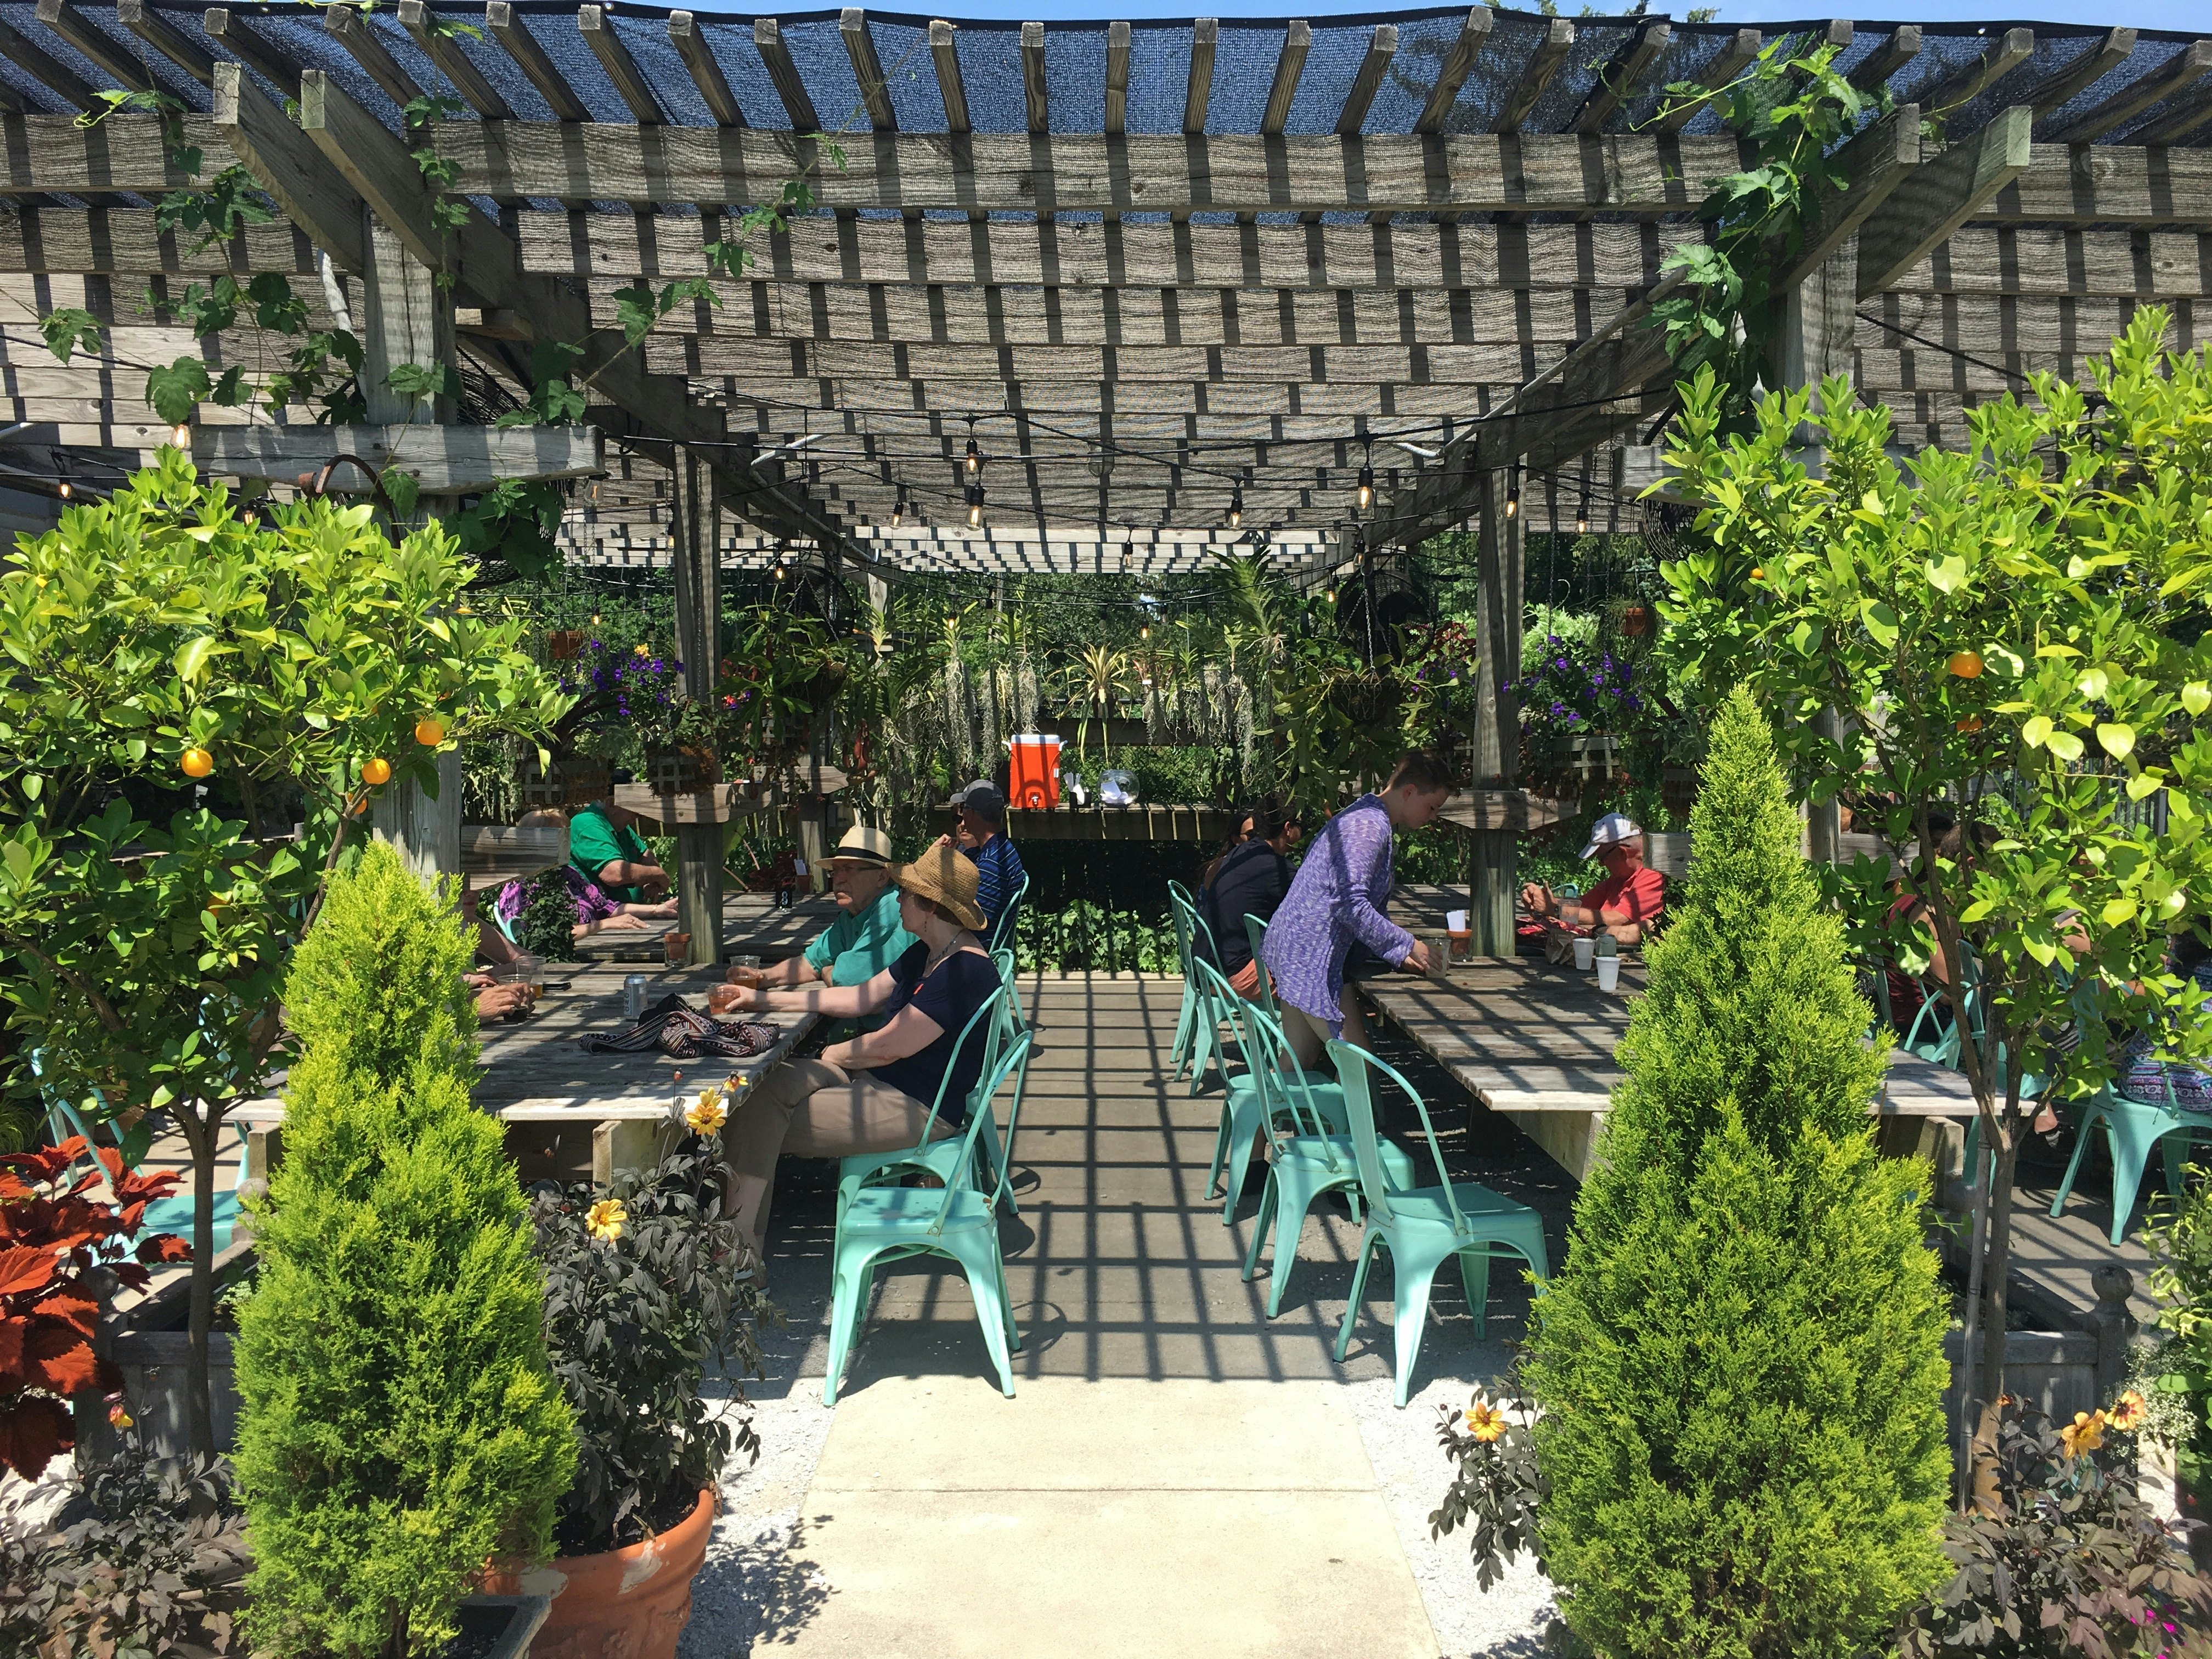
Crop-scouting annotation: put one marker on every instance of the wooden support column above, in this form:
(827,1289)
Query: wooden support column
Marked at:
(699,638)
(1815,336)
(406,318)
(1490,873)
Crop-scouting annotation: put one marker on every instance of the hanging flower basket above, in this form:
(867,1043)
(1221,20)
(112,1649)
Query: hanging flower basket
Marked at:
(1369,699)
(686,771)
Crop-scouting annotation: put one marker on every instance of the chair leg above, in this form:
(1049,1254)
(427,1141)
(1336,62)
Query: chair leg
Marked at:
(2130,1151)
(1243,1129)
(848,1287)
(1292,1204)
(1220,1149)
(1474,1279)
(2089,1122)
(1369,1245)
(1205,1039)
(1414,1280)
(1270,1196)
(977,1252)
(1186,1019)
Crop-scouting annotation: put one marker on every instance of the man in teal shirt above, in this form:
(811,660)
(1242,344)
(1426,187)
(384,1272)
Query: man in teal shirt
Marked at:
(866,936)
(604,844)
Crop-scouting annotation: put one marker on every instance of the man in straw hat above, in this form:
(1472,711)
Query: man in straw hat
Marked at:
(872,1093)
(866,938)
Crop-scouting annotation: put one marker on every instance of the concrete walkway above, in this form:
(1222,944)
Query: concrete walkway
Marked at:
(1175,1471)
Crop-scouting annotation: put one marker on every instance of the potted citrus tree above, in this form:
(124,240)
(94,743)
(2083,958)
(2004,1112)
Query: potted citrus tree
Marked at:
(647,1283)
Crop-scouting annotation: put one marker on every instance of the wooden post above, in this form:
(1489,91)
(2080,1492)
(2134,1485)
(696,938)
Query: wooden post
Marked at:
(1490,873)
(408,318)
(1815,336)
(699,637)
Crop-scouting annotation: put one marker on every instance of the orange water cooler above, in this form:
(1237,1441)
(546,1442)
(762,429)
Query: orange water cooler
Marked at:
(1033,779)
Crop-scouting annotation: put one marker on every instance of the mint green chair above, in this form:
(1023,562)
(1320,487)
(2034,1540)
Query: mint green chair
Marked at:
(1425,1227)
(2132,1128)
(958,1221)
(940,1158)
(1207,1012)
(1256,932)
(173,1214)
(1249,1102)
(1305,1159)
(1182,911)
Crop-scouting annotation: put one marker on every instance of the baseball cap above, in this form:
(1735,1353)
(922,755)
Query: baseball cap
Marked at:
(1610,831)
(984,796)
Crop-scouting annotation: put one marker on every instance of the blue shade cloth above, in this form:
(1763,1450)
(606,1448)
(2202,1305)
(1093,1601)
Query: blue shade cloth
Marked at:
(998,872)
(1336,902)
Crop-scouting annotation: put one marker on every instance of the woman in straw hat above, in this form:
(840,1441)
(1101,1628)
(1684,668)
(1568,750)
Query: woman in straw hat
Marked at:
(872,1093)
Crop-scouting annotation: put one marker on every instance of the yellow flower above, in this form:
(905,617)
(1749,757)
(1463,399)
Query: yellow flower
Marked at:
(605,1219)
(2127,1412)
(1484,1421)
(2086,1433)
(119,1415)
(706,1113)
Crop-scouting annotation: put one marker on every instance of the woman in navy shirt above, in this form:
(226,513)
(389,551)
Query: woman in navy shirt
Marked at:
(873,1094)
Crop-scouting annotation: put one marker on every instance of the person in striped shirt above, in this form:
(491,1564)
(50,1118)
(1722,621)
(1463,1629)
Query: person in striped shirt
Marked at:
(981,811)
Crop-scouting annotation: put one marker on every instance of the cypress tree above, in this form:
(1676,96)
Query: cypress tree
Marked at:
(400,1422)
(1740,1365)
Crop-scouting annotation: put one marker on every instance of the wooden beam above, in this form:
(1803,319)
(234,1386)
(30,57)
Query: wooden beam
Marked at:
(2183,123)
(597,25)
(2093,65)
(244,43)
(1892,55)
(520,45)
(166,37)
(95,43)
(2003,55)
(312,194)
(684,33)
(1036,95)
(950,86)
(1117,79)
(1204,33)
(1536,74)
(1290,64)
(1452,72)
(446,459)
(1382,47)
(49,71)
(2178,74)
(1876,162)
(868,68)
(1742,49)
(351,28)
(1935,197)
(767,40)
(429,29)
(1620,79)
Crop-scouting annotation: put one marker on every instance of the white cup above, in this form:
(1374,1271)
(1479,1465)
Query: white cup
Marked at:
(1456,921)
(1608,973)
(1585,953)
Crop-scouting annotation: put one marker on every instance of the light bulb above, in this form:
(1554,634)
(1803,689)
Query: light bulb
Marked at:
(1581,524)
(974,506)
(1366,488)
(1145,632)
(898,512)
(595,619)
(1332,596)
(67,490)
(975,459)
(180,435)
(1512,505)
(1236,508)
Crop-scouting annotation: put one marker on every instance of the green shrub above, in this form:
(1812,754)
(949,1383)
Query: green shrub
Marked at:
(1740,1366)
(401,1423)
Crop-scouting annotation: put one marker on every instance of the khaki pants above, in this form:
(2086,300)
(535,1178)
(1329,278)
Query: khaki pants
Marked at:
(811,1109)
(1309,1037)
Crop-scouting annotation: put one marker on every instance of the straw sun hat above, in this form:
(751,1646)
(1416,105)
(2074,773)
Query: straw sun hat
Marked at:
(947,876)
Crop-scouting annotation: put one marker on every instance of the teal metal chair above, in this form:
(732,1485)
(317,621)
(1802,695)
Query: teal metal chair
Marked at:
(1305,1159)
(1182,911)
(1002,930)
(1250,1100)
(173,1214)
(1207,1013)
(1255,931)
(2132,1128)
(940,1158)
(1427,1226)
(958,1221)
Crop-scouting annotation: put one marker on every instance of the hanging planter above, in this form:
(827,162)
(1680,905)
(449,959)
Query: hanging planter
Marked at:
(1637,621)
(689,770)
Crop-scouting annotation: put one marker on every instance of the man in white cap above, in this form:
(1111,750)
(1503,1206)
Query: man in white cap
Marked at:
(1627,903)
(866,936)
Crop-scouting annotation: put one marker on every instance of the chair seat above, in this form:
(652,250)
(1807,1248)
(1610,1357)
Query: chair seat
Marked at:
(1426,1207)
(902,1210)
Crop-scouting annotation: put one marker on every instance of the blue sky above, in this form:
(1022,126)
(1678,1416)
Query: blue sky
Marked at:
(2189,14)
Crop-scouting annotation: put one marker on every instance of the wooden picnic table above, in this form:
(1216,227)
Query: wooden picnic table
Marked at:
(537,1076)
(1535,1043)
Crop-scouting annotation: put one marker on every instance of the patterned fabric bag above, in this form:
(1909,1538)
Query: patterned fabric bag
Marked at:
(685,1033)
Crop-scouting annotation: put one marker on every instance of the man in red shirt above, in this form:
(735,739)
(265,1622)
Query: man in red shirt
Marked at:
(1627,903)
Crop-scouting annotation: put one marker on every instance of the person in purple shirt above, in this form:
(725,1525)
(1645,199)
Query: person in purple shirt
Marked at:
(1336,899)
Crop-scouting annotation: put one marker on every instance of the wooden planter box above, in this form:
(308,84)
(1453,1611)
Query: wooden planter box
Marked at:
(681,771)
(577,780)
(149,1344)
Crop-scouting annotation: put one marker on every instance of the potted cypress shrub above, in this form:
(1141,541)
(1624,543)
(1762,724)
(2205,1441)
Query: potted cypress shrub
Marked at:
(649,1283)
(401,1422)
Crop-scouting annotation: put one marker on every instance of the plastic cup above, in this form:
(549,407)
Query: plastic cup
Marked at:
(1456,921)
(678,946)
(1608,973)
(1586,953)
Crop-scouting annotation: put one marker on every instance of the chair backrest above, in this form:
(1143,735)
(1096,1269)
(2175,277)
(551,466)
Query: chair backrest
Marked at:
(1002,930)
(1285,1090)
(986,1017)
(1255,931)
(1180,913)
(63,1118)
(979,1106)
(1179,894)
(1352,1066)
(1223,1006)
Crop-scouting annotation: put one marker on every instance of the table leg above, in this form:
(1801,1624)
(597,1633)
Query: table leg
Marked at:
(699,889)
(623,1143)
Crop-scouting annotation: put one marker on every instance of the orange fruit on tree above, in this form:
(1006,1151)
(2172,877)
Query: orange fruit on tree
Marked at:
(1758,574)
(1971,723)
(1966,664)
(197,762)
(376,771)
(429,732)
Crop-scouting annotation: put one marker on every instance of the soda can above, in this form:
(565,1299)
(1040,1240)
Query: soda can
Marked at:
(633,997)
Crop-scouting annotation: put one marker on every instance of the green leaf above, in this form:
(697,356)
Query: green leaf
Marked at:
(68,327)
(2118,911)
(2116,738)
(174,391)
(404,489)
(2036,732)
(1881,623)
(2066,746)
(192,656)
(2145,783)
(2196,696)
(1947,575)
(2093,683)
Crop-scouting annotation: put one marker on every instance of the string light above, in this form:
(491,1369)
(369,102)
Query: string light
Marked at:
(898,509)
(180,435)
(1366,488)
(974,461)
(67,490)
(1236,508)
(1512,491)
(974,506)
(1581,517)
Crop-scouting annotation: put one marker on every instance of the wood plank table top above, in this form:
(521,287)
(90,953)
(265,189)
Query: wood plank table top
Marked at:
(535,1069)
(1526,1036)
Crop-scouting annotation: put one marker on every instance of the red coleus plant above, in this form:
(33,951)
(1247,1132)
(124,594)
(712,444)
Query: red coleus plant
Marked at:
(54,1232)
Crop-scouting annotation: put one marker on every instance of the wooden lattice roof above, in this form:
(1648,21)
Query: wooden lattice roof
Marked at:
(1148,266)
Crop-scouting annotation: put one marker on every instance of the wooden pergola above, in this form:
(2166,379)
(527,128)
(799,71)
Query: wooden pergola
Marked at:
(1178,284)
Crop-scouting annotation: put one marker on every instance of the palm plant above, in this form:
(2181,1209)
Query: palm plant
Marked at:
(1094,682)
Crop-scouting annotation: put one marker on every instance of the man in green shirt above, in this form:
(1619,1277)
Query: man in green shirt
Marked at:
(866,936)
(603,843)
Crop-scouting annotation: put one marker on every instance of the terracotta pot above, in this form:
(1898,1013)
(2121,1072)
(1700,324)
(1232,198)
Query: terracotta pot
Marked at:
(628,1603)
